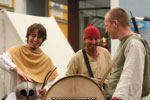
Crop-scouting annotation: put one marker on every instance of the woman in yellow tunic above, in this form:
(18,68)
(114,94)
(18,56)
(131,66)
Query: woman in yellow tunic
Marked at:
(28,61)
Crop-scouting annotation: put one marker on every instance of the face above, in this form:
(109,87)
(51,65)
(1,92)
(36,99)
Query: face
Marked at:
(34,41)
(91,43)
(111,28)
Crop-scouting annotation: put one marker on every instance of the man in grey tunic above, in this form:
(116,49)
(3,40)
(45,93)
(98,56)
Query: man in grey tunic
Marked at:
(127,78)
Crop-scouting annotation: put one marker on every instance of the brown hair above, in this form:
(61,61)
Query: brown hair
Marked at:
(120,15)
(41,31)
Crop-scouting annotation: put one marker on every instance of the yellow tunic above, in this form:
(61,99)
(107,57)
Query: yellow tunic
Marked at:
(99,67)
(35,63)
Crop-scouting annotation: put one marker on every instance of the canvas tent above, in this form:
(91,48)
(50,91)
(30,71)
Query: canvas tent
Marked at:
(13,28)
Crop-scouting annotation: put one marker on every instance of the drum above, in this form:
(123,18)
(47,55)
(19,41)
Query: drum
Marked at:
(75,87)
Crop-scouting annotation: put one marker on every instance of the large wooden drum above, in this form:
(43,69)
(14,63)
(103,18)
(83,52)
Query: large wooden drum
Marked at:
(75,87)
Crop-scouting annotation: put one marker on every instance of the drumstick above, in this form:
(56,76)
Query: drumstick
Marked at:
(105,76)
(47,77)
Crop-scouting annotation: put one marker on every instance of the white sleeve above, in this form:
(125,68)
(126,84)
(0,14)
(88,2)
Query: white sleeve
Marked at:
(6,62)
(129,86)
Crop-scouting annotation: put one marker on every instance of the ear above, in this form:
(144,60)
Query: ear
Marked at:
(116,23)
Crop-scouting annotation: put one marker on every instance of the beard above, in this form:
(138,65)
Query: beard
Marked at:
(92,47)
(33,48)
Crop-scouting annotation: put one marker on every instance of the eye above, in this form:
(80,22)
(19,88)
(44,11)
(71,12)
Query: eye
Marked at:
(96,38)
(33,35)
(89,38)
(40,35)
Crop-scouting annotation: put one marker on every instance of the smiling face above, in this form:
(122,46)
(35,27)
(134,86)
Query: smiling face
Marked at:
(91,43)
(36,35)
(34,40)
(117,23)
(110,28)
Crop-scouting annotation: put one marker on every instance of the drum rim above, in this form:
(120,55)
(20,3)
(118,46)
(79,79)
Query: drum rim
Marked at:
(76,75)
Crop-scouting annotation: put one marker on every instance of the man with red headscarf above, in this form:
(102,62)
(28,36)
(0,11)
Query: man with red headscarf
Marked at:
(98,57)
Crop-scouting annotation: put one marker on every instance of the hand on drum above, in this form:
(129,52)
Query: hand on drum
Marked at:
(42,92)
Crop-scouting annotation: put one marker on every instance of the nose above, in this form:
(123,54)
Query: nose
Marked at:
(93,41)
(106,31)
(35,38)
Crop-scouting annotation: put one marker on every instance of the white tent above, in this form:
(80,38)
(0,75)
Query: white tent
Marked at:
(13,28)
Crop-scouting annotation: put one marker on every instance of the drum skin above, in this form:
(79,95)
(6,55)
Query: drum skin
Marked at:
(75,86)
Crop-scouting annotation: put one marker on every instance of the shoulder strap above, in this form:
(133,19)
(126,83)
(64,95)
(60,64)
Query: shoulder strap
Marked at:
(87,63)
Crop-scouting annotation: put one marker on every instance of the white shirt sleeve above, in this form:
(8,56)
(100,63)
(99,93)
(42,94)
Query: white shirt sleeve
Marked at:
(129,86)
(6,62)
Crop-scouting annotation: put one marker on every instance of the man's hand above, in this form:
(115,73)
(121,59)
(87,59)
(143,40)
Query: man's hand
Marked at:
(22,75)
(42,92)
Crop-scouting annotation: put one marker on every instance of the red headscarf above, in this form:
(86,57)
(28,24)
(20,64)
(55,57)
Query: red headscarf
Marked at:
(91,31)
